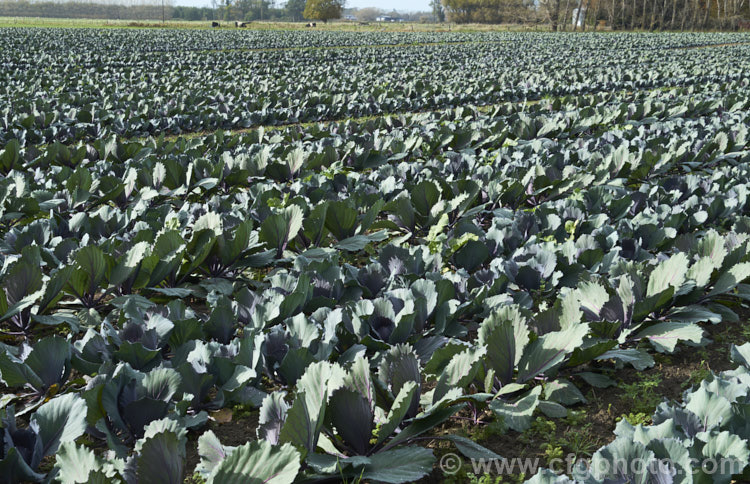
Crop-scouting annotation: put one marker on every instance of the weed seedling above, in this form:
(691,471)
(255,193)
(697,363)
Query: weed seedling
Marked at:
(634,419)
(698,375)
(642,395)
(580,441)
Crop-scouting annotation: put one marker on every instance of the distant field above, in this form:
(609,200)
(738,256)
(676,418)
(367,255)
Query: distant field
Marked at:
(293,255)
(331,26)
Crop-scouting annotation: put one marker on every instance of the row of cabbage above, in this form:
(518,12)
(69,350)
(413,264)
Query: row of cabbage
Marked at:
(704,438)
(332,274)
(23,43)
(20,43)
(47,98)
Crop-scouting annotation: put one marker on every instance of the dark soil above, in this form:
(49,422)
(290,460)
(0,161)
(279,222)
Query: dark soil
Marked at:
(594,428)
(673,373)
(238,431)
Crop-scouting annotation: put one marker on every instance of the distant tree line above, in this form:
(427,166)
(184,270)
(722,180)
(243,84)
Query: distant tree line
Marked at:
(98,9)
(246,10)
(227,10)
(250,10)
(647,14)
(193,13)
(558,14)
(617,14)
(491,11)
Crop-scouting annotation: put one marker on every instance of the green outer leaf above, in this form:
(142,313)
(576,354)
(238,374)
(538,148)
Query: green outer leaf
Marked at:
(208,221)
(62,419)
(408,464)
(597,380)
(356,243)
(160,460)
(741,354)
(399,366)
(472,255)
(725,446)
(711,409)
(636,357)
(91,259)
(303,423)
(21,305)
(231,250)
(13,372)
(211,451)
(729,280)
(258,462)
(161,383)
(76,463)
(549,351)
(23,279)
(546,476)
(564,392)
(278,229)
(436,416)
(669,273)
(459,372)
(518,415)
(505,343)
(305,418)
(273,412)
(14,469)
(592,297)
(552,409)
(341,220)
(471,449)
(397,412)
(359,379)
(50,360)
(664,336)
(352,415)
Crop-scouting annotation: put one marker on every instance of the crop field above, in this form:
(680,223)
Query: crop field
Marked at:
(318,256)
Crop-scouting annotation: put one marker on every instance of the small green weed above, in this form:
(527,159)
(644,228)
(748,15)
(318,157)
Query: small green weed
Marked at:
(196,478)
(639,418)
(483,433)
(580,441)
(642,395)
(552,452)
(541,427)
(576,418)
(242,411)
(698,375)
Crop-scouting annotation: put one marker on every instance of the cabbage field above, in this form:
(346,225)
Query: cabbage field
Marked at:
(346,243)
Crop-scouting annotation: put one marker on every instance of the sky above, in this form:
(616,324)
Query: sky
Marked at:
(400,5)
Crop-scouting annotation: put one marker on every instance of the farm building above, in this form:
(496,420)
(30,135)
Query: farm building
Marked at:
(386,18)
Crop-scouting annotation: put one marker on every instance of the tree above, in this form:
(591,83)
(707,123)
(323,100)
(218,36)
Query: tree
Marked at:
(295,9)
(368,14)
(577,15)
(437,10)
(323,9)
(489,11)
(226,5)
(250,10)
(552,8)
